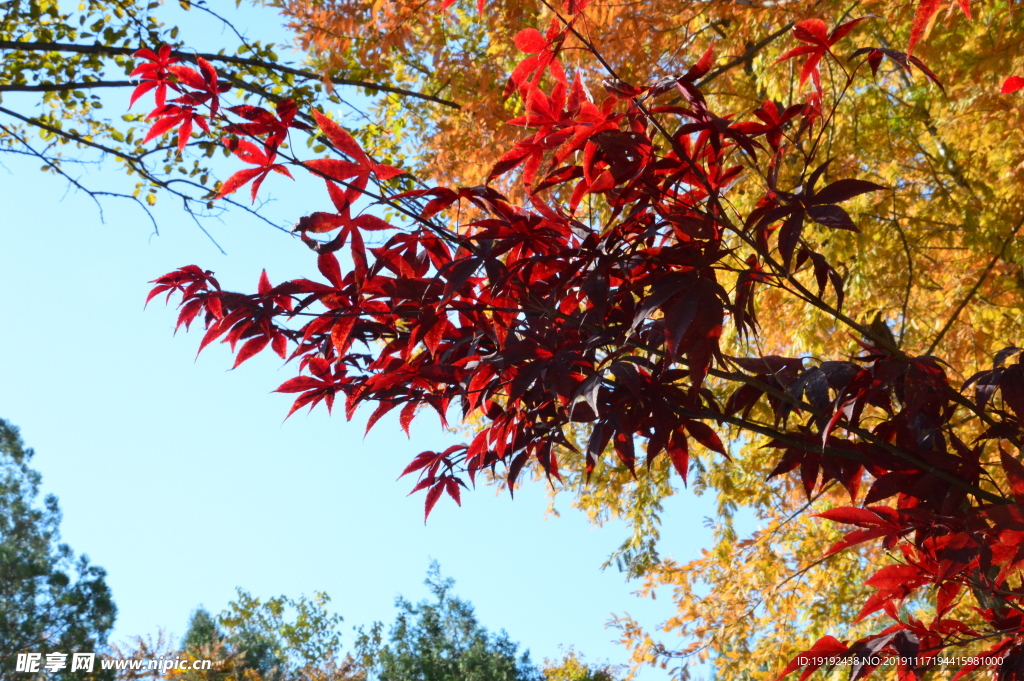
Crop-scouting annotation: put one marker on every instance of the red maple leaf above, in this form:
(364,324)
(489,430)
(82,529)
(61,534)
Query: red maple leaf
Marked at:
(819,43)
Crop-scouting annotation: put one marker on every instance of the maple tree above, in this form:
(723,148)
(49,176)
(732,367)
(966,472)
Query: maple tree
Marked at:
(580,312)
(954,154)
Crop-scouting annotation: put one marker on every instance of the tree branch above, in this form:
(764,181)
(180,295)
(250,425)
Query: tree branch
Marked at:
(109,50)
(61,87)
(749,54)
(977,285)
(136,163)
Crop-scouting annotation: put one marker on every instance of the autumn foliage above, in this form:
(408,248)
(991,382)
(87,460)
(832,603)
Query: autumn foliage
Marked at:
(593,294)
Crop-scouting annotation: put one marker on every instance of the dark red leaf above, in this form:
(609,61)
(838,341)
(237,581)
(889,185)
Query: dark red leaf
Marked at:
(531,41)
(334,169)
(1010,85)
(433,494)
(923,16)
(703,65)
(811,31)
(705,435)
(894,576)
(406,416)
(263,287)
(851,516)
(831,216)
(789,236)
(328,265)
(299,384)
(422,460)
(451,485)
(340,138)
(843,190)
(370,223)
(824,648)
(386,172)
(319,222)
(840,31)
(1014,474)
(679,452)
(237,181)
(160,127)
(250,348)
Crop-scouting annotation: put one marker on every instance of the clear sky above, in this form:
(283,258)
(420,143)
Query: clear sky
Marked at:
(180,478)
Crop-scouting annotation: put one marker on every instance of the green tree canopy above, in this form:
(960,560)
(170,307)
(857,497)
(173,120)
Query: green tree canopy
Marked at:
(50,600)
(441,640)
(287,639)
(277,639)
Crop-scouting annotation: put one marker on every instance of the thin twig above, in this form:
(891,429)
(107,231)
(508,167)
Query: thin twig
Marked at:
(109,50)
(974,289)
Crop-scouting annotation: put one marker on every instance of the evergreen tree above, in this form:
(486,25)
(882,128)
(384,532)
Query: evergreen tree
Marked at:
(441,640)
(202,631)
(50,600)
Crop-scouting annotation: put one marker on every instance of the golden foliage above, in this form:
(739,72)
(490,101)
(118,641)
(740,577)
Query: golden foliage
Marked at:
(572,667)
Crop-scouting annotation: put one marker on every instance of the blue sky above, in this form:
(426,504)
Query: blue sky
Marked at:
(180,478)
